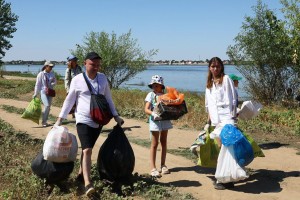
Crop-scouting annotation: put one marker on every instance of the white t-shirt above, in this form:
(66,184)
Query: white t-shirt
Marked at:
(80,93)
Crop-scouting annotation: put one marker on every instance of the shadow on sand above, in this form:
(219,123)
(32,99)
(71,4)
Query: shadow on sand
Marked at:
(272,145)
(264,181)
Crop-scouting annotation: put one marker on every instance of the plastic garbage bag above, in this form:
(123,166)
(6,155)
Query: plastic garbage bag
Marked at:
(51,171)
(256,149)
(116,158)
(228,170)
(208,153)
(60,145)
(243,152)
(33,110)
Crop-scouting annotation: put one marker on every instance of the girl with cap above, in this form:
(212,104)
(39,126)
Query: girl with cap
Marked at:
(158,128)
(45,79)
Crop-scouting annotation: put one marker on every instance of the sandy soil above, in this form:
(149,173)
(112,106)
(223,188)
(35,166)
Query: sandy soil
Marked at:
(274,177)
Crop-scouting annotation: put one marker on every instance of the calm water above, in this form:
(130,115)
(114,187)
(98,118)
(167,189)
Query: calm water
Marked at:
(185,77)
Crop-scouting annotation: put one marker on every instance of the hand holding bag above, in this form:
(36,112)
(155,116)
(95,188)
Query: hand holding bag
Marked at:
(99,107)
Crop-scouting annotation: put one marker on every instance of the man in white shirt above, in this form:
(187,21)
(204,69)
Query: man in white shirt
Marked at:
(88,130)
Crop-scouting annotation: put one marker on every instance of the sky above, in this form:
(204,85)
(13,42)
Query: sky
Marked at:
(178,29)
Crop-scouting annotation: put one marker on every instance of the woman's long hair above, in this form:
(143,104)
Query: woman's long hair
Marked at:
(209,82)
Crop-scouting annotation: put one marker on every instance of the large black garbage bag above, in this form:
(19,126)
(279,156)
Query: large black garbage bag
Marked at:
(116,158)
(51,171)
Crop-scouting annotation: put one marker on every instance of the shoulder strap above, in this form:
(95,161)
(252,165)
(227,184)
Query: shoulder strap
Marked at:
(46,79)
(87,82)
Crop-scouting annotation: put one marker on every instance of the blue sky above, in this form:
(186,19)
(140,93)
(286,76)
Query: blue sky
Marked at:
(179,29)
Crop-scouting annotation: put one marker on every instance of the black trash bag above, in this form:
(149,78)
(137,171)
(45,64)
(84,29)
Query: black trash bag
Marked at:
(51,171)
(116,158)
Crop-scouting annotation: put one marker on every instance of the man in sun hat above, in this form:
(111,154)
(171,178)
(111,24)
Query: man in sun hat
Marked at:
(72,70)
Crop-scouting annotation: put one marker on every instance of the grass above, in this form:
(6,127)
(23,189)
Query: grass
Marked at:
(18,181)
(274,123)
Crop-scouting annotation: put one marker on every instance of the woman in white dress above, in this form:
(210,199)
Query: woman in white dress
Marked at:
(220,103)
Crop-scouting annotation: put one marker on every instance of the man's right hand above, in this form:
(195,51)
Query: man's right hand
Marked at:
(58,121)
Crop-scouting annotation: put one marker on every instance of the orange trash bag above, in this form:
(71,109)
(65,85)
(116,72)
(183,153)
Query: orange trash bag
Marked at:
(172,97)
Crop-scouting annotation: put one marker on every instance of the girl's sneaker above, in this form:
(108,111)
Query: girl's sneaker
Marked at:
(164,169)
(155,173)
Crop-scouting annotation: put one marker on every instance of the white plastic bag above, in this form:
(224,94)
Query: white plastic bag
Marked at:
(60,145)
(249,110)
(227,168)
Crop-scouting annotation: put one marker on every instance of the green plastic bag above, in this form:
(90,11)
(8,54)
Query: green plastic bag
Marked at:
(209,153)
(33,110)
(256,149)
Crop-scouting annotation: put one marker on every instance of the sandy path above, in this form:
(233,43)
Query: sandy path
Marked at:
(275,177)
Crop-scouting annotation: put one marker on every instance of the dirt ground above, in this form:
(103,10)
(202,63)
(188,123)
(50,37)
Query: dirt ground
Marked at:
(274,177)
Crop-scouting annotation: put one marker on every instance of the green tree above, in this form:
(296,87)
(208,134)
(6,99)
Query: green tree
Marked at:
(291,10)
(262,55)
(122,58)
(7,28)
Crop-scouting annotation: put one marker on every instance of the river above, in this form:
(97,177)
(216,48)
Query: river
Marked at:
(182,77)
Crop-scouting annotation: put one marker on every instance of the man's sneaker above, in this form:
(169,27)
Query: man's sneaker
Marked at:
(164,169)
(89,189)
(155,173)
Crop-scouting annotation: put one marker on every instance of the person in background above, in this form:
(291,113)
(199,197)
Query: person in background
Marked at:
(46,78)
(236,80)
(158,128)
(88,131)
(72,70)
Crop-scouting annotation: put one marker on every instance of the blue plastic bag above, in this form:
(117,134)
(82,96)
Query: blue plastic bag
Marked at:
(231,135)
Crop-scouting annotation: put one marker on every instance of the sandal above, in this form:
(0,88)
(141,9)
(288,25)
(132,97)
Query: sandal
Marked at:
(155,173)
(164,169)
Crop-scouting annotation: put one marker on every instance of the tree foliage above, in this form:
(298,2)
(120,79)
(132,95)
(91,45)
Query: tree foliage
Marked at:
(262,53)
(7,27)
(291,10)
(122,58)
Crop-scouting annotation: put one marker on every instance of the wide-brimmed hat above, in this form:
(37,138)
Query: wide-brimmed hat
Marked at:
(156,79)
(48,63)
(72,58)
(235,77)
